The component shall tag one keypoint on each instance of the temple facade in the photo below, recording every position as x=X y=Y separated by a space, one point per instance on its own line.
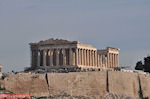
x=59 y=52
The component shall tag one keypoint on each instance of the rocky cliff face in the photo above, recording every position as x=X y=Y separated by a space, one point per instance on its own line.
x=86 y=85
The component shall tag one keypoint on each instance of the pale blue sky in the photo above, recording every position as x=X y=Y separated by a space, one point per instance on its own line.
x=123 y=24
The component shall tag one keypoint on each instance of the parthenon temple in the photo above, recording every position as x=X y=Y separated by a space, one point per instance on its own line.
x=59 y=52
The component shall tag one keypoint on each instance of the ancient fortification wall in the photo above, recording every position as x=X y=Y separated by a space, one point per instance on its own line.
x=91 y=84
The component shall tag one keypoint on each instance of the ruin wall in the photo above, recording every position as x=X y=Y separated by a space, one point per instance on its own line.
x=91 y=84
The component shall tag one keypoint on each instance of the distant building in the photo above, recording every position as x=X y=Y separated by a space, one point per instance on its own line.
x=59 y=52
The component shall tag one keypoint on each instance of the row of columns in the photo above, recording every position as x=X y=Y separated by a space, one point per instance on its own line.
x=73 y=57
x=86 y=57
x=109 y=60
x=55 y=57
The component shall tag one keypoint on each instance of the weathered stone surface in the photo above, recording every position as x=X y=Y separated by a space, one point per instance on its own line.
x=85 y=84
x=81 y=84
x=145 y=85
x=26 y=83
x=123 y=83
x=91 y=84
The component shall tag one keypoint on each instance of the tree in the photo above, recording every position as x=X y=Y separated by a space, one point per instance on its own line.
x=139 y=65
x=147 y=64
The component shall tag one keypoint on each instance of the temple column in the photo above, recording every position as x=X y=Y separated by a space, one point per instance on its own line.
x=34 y=57
x=113 y=59
x=70 y=56
x=64 y=57
x=57 y=57
x=98 y=65
x=49 y=54
x=100 y=60
x=110 y=60
x=85 y=56
x=38 y=59
x=107 y=60
x=44 y=57
x=90 y=58
x=82 y=56
x=117 y=60
x=76 y=56
x=51 y=57
x=95 y=58
x=79 y=57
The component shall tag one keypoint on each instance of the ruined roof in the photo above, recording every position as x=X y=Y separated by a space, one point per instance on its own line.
x=54 y=41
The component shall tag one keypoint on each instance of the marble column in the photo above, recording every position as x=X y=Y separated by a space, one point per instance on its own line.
x=76 y=57
x=64 y=57
x=51 y=57
x=95 y=58
x=49 y=54
x=70 y=56
x=114 y=60
x=108 y=60
x=79 y=57
x=57 y=57
x=98 y=65
x=32 y=58
x=38 y=59
x=90 y=58
x=117 y=60
x=44 y=57
x=105 y=61
x=85 y=56
x=82 y=56
x=100 y=60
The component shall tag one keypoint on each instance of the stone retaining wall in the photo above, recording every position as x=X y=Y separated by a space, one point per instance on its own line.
x=88 y=84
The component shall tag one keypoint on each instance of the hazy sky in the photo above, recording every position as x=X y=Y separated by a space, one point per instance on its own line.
x=123 y=24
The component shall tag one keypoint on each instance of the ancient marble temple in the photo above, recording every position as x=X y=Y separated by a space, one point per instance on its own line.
x=59 y=52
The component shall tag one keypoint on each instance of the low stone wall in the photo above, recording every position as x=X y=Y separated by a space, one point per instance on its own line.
x=89 y=84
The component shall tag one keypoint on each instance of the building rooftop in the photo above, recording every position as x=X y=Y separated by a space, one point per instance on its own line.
x=53 y=41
